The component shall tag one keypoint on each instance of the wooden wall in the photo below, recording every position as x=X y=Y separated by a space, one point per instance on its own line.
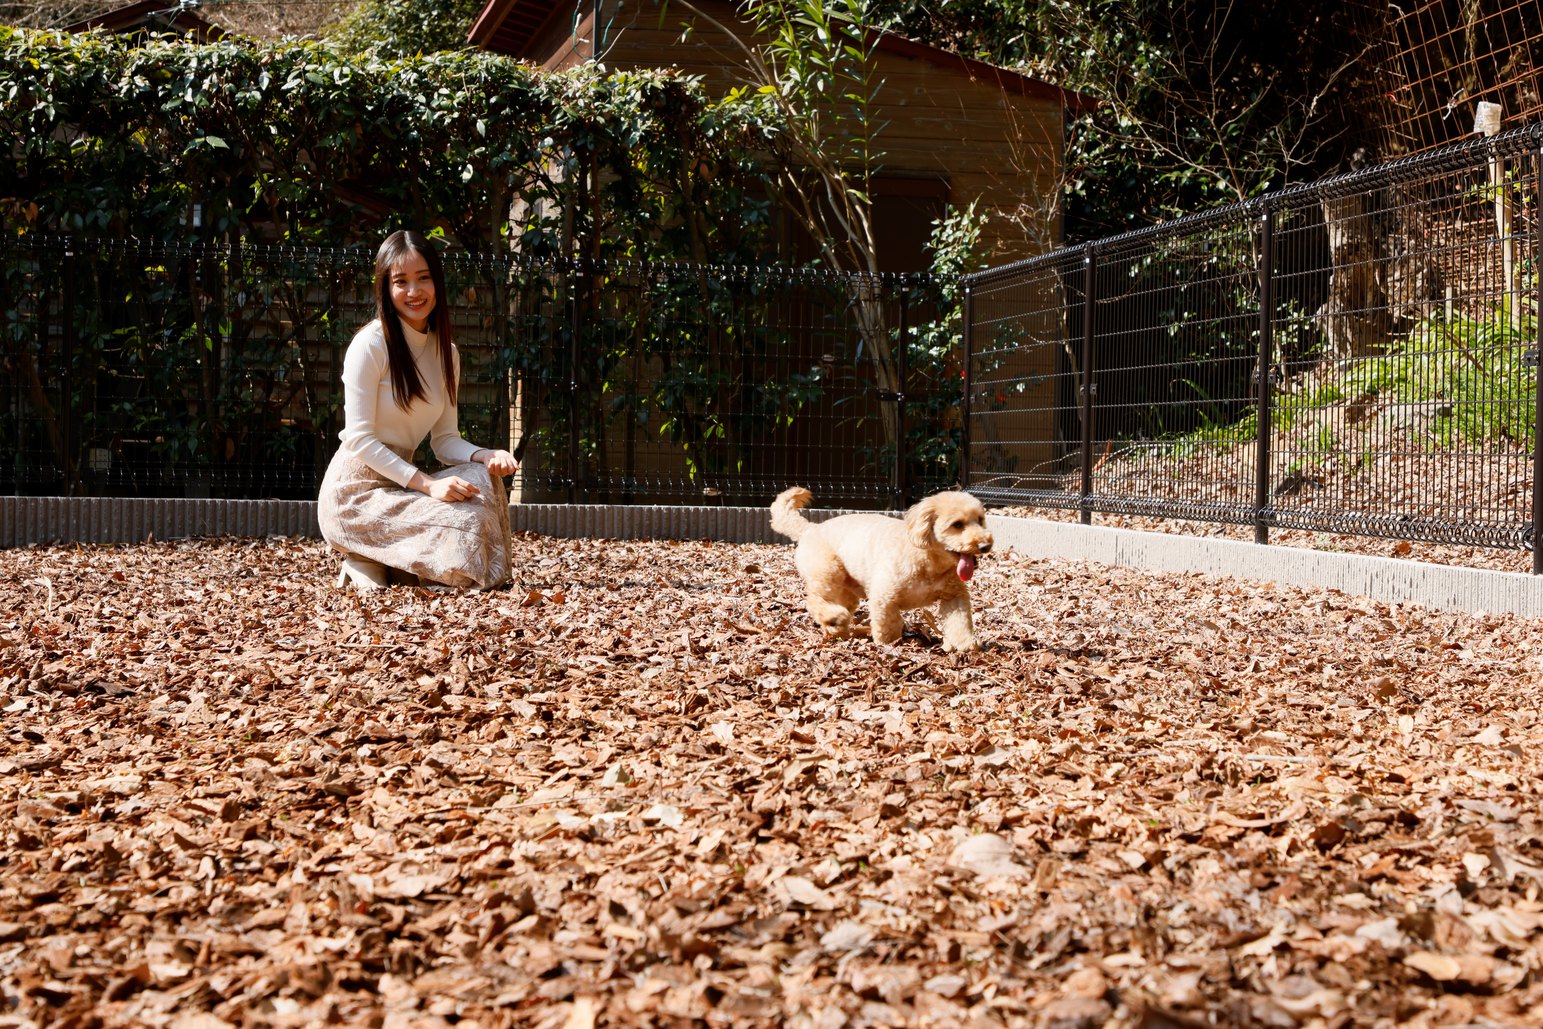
x=986 y=139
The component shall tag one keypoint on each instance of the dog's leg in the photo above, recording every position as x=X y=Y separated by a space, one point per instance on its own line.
x=884 y=613
x=834 y=617
x=831 y=594
x=958 y=625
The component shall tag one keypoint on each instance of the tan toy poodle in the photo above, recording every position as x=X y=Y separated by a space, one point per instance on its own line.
x=898 y=565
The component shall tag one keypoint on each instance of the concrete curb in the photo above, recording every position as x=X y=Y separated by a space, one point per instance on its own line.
x=26 y=521
x=601 y=521
x=1392 y=581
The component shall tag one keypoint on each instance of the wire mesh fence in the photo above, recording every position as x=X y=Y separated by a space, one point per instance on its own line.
x=1357 y=356
x=136 y=368
x=1442 y=58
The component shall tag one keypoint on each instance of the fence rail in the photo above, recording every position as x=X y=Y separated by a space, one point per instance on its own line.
x=1358 y=355
x=141 y=368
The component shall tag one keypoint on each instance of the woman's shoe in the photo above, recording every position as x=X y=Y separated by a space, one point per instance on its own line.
x=365 y=575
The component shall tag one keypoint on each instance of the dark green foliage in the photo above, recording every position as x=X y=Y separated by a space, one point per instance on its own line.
x=1200 y=102
x=304 y=142
x=401 y=28
x=307 y=143
x=301 y=143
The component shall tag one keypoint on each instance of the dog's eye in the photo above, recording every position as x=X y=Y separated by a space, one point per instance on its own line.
x=959 y=524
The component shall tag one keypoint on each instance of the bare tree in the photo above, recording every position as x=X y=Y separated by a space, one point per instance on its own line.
x=271 y=19
x=258 y=18
x=53 y=14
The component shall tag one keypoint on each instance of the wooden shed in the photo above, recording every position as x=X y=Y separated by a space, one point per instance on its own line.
x=152 y=17
x=955 y=130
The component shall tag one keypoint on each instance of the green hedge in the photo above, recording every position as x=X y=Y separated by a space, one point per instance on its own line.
x=298 y=142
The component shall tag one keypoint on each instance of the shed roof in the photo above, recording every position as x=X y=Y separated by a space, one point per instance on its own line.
x=509 y=26
x=154 y=15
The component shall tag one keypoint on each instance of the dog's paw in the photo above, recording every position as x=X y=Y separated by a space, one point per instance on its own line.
x=969 y=643
x=840 y=628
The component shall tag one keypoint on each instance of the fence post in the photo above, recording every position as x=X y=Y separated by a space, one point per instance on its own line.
x=898 y=488
x=577 y=286
x=1087 y=388
x=67 y=397
x=964 y=373
x=1537 y=353
x=1266 y=354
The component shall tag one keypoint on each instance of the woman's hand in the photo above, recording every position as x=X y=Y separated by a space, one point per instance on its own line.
x=451 y=489
x=499 y=462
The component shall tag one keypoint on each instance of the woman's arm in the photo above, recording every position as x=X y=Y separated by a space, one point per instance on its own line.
x=364 y=369
x=445 y=438
x=451 y=448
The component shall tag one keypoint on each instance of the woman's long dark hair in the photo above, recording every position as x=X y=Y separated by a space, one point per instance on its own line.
x=406 y=383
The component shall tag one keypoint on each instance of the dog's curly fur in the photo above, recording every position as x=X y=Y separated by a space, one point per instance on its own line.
x=896 y=564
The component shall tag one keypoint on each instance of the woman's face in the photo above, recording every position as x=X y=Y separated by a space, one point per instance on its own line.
x=412 y=291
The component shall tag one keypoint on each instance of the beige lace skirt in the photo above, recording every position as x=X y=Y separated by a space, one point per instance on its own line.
x=364 y=514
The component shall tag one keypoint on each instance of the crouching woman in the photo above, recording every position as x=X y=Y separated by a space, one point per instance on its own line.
x=399 y=384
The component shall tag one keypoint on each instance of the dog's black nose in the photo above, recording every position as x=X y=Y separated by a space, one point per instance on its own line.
x=985 y=548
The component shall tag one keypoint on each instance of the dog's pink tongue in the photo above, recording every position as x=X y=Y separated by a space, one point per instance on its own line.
x=966 y=567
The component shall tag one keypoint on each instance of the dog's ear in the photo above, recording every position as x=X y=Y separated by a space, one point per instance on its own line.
x=918 y=523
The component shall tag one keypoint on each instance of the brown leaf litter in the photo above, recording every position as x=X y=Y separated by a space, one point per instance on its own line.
x=638 y=788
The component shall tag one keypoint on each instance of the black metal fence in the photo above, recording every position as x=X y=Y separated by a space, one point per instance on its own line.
x=192 y=369
x=1357 y=356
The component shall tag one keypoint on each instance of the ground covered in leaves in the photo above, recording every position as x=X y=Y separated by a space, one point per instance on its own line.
x=639 y=789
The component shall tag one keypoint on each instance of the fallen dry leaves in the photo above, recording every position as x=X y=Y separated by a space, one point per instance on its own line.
x=639 y=789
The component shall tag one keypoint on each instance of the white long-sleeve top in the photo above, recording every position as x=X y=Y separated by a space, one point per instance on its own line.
x=372 y=421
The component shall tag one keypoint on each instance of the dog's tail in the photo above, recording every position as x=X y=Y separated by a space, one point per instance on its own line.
x=785 y=517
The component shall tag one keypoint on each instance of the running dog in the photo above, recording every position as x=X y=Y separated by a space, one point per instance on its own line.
x=896 y=564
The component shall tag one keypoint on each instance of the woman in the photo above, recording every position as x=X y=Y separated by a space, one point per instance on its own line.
x=399 y=384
